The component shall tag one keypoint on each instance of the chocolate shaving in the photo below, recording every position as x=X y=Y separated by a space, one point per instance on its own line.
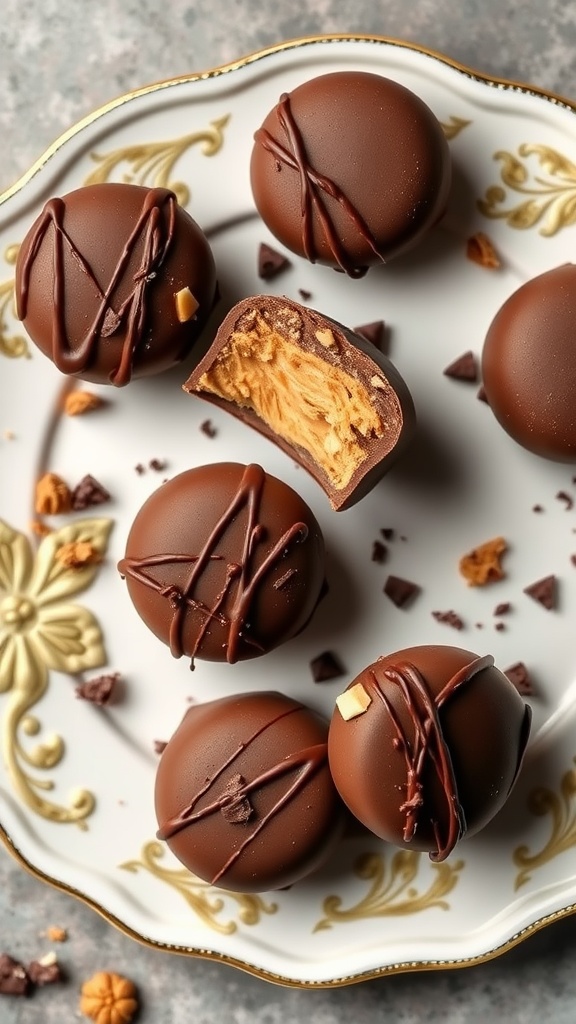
x=99 y=690
x=304 y=295
x=374 y=333
x=401 y=592
x=566 y=498
x=520 y=678
x=543 y=591
x=208 y=428
x=14 y=980
x=449 y=618
x=238 y=809
x=48 y=973
x=463 y=368
x=503 y=608
x=87 y=493
x=326 y=666
x=379 y=552
x=270 y=262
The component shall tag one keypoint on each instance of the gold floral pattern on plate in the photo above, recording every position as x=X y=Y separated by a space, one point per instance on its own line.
x=152 y=163
x=562 y=810
x=12 y=345
x=40 y=631
x=545 y=178
x=453 y=126
x=204 y=899
x=394 y=888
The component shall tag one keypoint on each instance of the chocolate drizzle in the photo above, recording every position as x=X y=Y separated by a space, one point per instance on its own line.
x=235 y=793
x=156 y=231
x=313 y=185
x=239 y=574
x=427 y=745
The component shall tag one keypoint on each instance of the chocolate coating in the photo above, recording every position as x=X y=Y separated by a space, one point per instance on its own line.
x=326 y=396
x=96 y=280
x=436 y=752
x=529 y=364
x=350 y=169
x=244 y=796
x=224 y=563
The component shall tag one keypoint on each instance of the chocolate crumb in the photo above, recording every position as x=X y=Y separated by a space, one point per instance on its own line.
x=326 y=666
x=566 y=498
x=140 y=468
x=481 y=394
x=519 y=676
x=500 y=626
x=87 y=493
x=14 y=980
x=374 y=333
x=503 y=608
x=159 y=465
x=573 y=559
x=537 y=508
x=388 y=533
x=463 y=368
x=401 y=592
x=449 y=618
x=99 y=690
x=270 y=262
x=543 y=591
x=45 y=971
x=304 y=295
x=208 y=428
x=479 y=625
x=160 y=746
x=379 y=552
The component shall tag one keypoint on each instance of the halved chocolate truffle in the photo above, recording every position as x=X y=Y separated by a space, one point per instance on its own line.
x=425 y=746
x=244 y=795
x=350 y=169
x=115 y=281
x=529 y=364
x=224 y=562
x=323 y=394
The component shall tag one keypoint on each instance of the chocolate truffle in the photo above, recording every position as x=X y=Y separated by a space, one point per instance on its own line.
x=115 y=281
x=224 y=562
x=330 y=399
x=425 y=746
x=350 y=169
x=529 y=364
x=244 y=795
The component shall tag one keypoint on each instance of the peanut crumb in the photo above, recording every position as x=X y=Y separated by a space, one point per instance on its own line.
x=377 y=382
x=186 y=305
x=77 y=554
x=9 y=435
x=53 y=496
x=79 y=402
x=39 y=528
x=56 y=934
x=326 y=338
x=483 y=564
x=480 y=250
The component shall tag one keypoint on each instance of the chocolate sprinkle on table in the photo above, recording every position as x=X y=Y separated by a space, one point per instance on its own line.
x=270 y=262
x=99 y=690
x=87 y=493
x=463 y=368
x=566 y=498
x=304 y=295
x=543 y=591
x=208 y=428
x=518 y=675
x=449 y=618
x=379 y=551
x=503 y=608
x=326 y=666
x=374 y=333
x=400 y=591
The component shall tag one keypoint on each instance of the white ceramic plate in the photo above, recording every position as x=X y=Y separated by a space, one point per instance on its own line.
x=76 y=781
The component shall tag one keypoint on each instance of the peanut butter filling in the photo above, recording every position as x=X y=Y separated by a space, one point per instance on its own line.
x=304 y=399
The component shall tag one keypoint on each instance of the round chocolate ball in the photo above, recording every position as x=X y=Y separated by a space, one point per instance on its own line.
x=244 y=795
x=224 y=562
x=425 y=746
x=350 y=169
x=115 y=281
x=529 y=364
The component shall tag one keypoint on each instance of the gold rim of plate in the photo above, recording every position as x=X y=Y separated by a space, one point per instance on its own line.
x=207 y=954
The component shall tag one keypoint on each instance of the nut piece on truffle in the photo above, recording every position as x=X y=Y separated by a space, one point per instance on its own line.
x=244 y=796
x=327 y=397
x=436 y=749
